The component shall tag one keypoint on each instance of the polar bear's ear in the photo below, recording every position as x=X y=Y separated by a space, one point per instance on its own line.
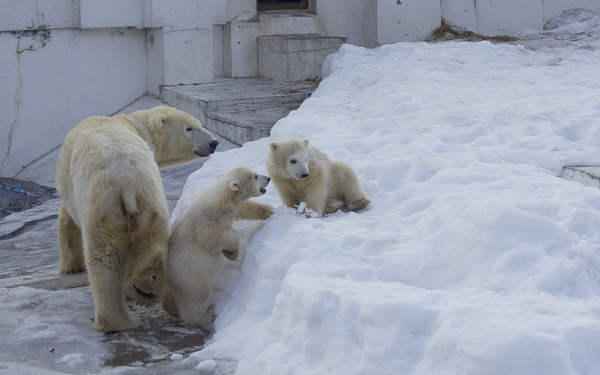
x=235 y=185
x=159 y=123
x=305 y=142
x=273 y=146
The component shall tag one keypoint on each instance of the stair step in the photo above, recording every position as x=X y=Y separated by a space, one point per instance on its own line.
x=289 y=23
x=288 y=58
x=240 y=110
x=248 y=124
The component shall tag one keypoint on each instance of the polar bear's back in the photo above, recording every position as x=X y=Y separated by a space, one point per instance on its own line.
x=105 y=158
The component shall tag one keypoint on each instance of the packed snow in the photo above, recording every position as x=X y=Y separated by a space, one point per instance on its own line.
x=475 y=256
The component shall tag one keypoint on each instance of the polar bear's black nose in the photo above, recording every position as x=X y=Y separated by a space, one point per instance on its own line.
x=213 y=144
x=304 y=175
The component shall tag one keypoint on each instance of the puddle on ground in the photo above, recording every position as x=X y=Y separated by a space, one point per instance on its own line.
x=161 y=336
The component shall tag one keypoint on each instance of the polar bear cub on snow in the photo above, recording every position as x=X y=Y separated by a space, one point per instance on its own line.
x=303 y=173
x=113 y=218
x=203 y=235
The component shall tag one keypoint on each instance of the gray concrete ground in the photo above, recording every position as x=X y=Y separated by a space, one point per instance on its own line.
x=29 y=253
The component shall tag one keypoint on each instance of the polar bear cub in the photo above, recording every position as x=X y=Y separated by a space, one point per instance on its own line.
x=113 y=218
x=203 y=235
x=303 y=173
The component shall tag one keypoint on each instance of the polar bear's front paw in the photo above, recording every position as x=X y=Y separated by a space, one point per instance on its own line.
x=333 y=205
x=207 y=317
x=357 y=204
x=69 y=270
x=103 y=324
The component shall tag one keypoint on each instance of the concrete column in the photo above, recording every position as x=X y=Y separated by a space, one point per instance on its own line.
x=240 y=55
x=460 y=13
x=407 y=20
x=498 y=17
x=188 y=56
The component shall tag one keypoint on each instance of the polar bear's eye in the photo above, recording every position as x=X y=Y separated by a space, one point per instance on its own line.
x=256 y=177
x=188 y=129
x=293 y=161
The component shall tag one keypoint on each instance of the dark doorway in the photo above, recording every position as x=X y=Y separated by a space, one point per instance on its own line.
x=282 y=4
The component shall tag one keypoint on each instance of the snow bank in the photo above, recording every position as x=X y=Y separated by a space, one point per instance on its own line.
x=475 y=257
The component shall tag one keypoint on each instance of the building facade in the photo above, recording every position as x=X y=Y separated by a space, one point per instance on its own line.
x=64 y=60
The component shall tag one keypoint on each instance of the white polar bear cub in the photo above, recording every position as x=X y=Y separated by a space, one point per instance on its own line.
x=303 y=173
x=113 y=218
x=203 y=235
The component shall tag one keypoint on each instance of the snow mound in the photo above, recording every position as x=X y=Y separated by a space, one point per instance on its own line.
x=474 y=257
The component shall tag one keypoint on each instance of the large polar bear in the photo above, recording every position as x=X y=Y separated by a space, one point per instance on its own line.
x=203 y=236
x=303 y=173
x=113 y=218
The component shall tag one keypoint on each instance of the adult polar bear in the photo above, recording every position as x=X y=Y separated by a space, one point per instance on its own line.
x=113 y=218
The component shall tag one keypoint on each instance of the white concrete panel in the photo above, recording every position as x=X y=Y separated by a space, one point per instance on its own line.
x=460 y=13
x=369 y=23
x=186 y=14
x=218 y=35
x=355 y=20
x=111 y=13
x=64 y=78
x=37 y=14
x=407 y=20
x=9 y=95
x=290 y=23
x=294 y=57
x=188 y=56
x=240 y=10
x=155 y=61
x=242 y=56
x=554 y=8
x=498 y=17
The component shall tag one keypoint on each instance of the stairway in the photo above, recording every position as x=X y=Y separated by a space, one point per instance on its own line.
x=289 y=58
x=285 y=51
x=239 y=110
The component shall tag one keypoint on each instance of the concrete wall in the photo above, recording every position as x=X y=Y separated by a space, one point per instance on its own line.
x=406 y=20
x=53 y=79
x=64 y=60
x=34 y=14
x=353 y=19
x=498 y=17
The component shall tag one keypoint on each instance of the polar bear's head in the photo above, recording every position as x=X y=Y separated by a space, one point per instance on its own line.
x=289 y=156
x=179 y=137
x=245 y=183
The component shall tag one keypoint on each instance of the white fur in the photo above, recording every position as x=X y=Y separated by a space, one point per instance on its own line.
x=303 y=173
x=113 y=218
x=202 y=238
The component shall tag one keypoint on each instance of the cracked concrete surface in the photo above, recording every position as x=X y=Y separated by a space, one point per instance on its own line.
x=35 y=39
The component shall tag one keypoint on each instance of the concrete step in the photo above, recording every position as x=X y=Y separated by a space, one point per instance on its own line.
x=289 y=58
x=289 y=23
x=239 y=110
x=247 y=124
x=588 y=176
